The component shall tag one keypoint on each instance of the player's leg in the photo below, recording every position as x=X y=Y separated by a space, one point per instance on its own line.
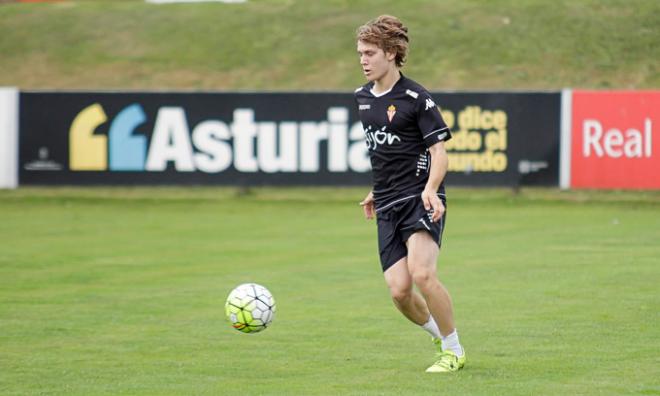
x=422 y=255
x=392 y=250
x=411 y=304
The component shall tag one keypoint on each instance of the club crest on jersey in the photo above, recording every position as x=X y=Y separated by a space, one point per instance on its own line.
x=390 y=112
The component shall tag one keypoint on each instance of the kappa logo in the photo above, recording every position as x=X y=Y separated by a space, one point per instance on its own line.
x=390 y=112
x=429 y=104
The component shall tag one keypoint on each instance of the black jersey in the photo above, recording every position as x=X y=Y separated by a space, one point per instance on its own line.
x=400 y=125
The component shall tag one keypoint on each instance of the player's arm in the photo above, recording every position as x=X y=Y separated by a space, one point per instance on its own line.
x=368 y=205
x=439 y=163
x=368 y=202
x=434 y=132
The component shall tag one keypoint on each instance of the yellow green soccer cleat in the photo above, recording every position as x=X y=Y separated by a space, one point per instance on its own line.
x=447 y=362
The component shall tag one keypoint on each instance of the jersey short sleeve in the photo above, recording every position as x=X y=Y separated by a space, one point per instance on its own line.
x=429 y=121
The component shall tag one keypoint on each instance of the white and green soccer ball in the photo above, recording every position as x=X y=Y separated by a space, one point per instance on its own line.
x=250 y=308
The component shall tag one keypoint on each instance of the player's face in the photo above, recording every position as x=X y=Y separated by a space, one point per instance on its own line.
x=374 y=61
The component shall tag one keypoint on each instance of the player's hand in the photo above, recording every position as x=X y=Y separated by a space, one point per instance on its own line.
x=368 y=206
x=432 y=202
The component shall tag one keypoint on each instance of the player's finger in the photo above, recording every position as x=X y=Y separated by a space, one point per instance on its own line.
x=436 y=216
x=438 y=211
x=368 y=211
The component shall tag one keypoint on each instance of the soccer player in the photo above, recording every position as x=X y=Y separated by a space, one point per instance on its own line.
x=405 y=136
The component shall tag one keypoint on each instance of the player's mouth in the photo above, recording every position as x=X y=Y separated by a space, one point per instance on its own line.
x=366 y=71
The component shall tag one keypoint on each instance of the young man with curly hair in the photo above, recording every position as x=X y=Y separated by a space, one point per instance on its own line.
x=405 y=135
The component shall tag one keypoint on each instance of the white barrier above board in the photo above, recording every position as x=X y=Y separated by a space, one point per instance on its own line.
x=8 y=137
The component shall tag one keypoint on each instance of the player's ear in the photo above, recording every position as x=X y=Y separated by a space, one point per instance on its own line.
x=390 y=55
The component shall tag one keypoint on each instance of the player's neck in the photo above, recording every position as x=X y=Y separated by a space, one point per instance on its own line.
x=386 y=82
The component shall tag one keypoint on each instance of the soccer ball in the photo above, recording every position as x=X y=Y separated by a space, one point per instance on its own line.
x=250 y=308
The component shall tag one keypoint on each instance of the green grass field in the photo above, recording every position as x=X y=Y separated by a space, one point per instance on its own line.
x=121 y=291
x=113 y=291
x=310 y=45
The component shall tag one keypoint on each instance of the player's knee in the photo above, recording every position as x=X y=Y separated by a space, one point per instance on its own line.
x=400 y=294
x=423 y=277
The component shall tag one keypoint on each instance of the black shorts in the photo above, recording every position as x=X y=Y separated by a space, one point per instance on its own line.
x=399 y=222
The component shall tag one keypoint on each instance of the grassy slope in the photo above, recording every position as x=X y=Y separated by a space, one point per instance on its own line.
x=120 y=291
x=288 y=44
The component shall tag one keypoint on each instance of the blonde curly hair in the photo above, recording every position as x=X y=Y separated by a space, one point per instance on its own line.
x=387 y=33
